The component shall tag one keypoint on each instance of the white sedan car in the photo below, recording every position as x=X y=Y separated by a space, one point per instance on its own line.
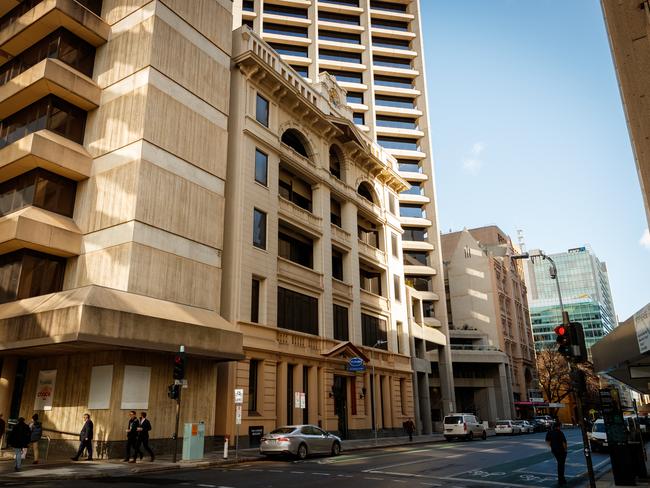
x=507 y=427
x=525 y=426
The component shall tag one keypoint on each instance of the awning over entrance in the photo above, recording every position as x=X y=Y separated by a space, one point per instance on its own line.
x=618 y=355
x=96 y=318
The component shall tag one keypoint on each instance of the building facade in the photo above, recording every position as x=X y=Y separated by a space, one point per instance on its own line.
x=488 y=311
x=586 y=294
x=374 y=51
x=113 y=188
x=628 y=26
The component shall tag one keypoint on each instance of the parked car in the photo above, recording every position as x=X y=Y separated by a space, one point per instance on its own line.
x=545 y=419
x=300 y=441
x=506 y=427
x=538 y=425
x=463 y=426
x=598 y=436
x=526 y=427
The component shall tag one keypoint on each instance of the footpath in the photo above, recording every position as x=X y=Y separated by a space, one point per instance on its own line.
x=65 y=469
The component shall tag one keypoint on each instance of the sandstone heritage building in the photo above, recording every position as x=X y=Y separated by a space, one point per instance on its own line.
x=168 y=180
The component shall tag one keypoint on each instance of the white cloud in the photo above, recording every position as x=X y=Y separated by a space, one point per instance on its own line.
x=472 y=163
x=645 y=239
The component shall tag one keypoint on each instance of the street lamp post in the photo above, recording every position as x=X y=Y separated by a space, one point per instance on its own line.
x=576 y=398
x=374 y=394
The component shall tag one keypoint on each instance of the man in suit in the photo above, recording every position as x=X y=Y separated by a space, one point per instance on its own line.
x=132 y=438
x=85 y=439
x=143 y=436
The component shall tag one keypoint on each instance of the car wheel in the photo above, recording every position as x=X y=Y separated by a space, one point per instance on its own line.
x=484 y=435
x=336 y=449
x=470 y=436
x=301 y=453
x=448 y=438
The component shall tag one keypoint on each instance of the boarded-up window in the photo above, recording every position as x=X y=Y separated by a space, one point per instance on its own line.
x=101 y=387
x=135 y=389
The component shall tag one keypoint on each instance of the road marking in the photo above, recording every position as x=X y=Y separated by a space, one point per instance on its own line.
x=322 y=474
x=398 y=481
x=495 y=483
x=376 y=479
x=425 y=460
x=275 y=471
x=297 y=472
x=207 y=486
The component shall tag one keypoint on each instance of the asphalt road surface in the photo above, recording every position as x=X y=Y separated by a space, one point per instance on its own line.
x=517 y=461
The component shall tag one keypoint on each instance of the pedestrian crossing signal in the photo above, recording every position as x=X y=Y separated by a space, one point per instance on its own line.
x=179 y=366
x=173 y=391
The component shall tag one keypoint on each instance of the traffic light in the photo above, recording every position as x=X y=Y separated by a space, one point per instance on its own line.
x=179 y=366
x=578 y=346
x=173 y=391
x=563 y=339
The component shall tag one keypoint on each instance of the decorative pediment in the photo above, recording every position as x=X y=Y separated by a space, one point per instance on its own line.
x=346 y=351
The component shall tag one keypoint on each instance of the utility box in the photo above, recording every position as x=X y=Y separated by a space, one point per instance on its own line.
x=193 y=441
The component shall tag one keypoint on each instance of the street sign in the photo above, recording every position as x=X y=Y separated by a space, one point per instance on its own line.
x=356 y=364
x=238 y=415
x=239 y=396
x=303 y=400
x=296 y=399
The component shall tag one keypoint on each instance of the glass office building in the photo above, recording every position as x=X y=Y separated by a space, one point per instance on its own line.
x=585 y=291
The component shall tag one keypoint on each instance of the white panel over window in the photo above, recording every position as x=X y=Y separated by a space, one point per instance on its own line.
x=101 y=387
x=135 y=390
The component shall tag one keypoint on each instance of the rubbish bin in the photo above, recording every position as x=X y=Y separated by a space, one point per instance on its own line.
x=623 y=464
x=193 y=441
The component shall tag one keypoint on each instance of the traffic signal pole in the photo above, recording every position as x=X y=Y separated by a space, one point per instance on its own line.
x=577 y=398
x=178 y=418
x=179 y=374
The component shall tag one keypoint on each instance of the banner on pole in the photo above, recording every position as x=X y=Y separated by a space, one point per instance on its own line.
x=45 y=389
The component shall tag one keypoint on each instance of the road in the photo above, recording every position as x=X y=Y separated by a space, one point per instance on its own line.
x=518 y=461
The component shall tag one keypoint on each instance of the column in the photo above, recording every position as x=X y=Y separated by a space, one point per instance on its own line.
x=281 y=393
x=322 y=194
x=7 y=380
x=349 y=221
x=387 y=403
x=315 y=395
x=446 y=378
x=297 y=387
x=504 y=388
x=424 y=403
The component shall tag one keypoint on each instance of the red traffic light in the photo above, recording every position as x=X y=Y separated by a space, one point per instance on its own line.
x=561 y=330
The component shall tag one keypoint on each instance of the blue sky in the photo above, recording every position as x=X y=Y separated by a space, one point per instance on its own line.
x=528 y=131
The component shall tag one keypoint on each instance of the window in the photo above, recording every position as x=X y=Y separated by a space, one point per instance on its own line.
x=351 y=3
x=392 y=204
x=416 y=189
x=367 y=232
x=396 y=122
x=353 y=395
x=301 y=70
x=416 y=258
x=328 y=35
x=60 y=44
x=335 y=212
x=409 y=210
x=390 y=24
x=387 y=6
x=373 y=330
x=401 y=44
x=398 y=143
x=420 y=283
x=248 y=5
x=262 y=110
x=255 y=300
x=390 y=62
x=345 y=76
x=342 y=56
x=289 y=50
x=370 y=280
x=397 y=286
x=335 y=162
x=409 y=166
x=297 y=311
x=50 y=113
x=261 y=167
x=415 y=234
x=359 y=118
x=296 y=141
x=393 y=81
x=259 y=229
x=366 y=191
x=295 y=247
x=26 y=273
x=247 y=22
x=337 y=264
x=285 y=11
x=285 y=30
x=341 y=329
x=294 y=189
x=339 y=18
x=253 y=371
x=39 y=188
x=398 y=102
x=354 y=97
x=394 y=245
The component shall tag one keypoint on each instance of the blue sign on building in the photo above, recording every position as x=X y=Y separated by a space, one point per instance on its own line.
x=356 y=364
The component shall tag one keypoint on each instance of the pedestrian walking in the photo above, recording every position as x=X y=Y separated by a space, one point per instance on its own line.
x=556 y=440
x=409 y=427
x=3 y=427
x=85 y=439
x=143 y=435
x=36 y=428
x=132 y=438
x=19 y=438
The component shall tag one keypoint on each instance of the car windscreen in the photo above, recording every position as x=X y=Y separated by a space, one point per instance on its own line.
x=599 y=427
x=504 y=424
x=453 y=420
x=283 y=430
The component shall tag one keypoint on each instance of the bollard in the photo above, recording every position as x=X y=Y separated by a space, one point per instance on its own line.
x=225 y=446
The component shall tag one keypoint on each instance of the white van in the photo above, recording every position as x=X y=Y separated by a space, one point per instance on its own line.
x=598 y=436
x=464 y=426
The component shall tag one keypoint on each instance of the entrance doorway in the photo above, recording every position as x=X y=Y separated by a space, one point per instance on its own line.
x=340 y=392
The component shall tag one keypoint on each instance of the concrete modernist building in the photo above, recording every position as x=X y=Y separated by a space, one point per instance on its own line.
x=113 y=174
x=374 y=50
x=490 y=331
x=628 y=25
x=585 y=291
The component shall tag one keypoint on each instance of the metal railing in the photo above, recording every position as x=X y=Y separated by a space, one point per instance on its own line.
x=473 y=347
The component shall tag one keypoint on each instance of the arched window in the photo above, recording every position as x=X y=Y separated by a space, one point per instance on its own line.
x=366 y=191
x=296 y=141
x=335 y=162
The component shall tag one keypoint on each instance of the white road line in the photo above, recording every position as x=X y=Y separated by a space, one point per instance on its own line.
x=275 y=471
x=376 y=479
x=297 y=472
x=398 y=481
x=494 y=483
x=425 y=460
x=322 y=474
x=207 y=486
x=453 y=456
